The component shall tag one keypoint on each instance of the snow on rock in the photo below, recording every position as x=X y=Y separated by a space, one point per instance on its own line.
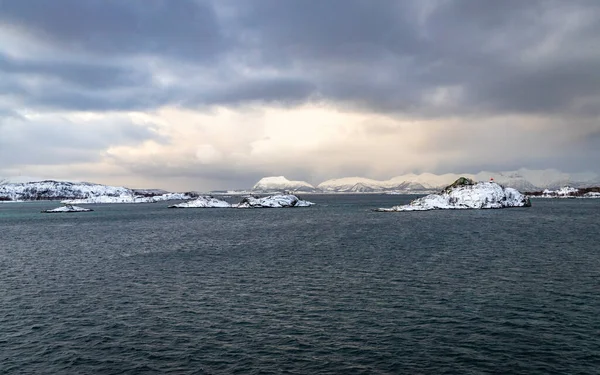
x=129 y=199
x=563 y=192
x=67 y=208
x=466 y=194
x=273 y=201
x=569 y=192
x=108 y=199
x=281 y=183
x=203 y=202
x=57 y=190
x=84 y=193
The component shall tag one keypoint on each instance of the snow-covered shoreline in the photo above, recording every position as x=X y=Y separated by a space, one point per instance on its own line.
x=130 y=199
x=567 y=192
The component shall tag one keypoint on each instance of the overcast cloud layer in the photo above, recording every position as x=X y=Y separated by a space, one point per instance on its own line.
x=216 y=94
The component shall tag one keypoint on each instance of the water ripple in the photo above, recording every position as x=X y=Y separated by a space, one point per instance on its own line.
x=331 y=289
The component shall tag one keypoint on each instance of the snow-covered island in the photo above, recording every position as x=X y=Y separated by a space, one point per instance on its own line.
x=273 y=201
x=66 y=209
x=465 y=193
x=568 y=192
x=203 y=202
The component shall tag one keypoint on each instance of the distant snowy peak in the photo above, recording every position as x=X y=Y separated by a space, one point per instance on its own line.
x=349 y=185
x=522 y=180
x=280 y=183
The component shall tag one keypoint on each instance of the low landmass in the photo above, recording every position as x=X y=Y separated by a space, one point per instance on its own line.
x=84 y=193
x=567 y=192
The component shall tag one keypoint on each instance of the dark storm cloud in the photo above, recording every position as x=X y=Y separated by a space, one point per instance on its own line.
x=462 y=59
x=381 y=55
x=83 y=75
x=184 y=28
x=272 y=90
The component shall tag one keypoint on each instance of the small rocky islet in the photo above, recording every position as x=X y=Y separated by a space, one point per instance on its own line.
x=68 y=208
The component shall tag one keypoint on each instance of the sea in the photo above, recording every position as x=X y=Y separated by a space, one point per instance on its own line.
x=331 y=289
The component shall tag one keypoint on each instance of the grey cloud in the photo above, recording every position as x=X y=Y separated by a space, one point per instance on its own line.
x=60 y=140
x=271 y=90
x=183 y=28
x=545 y=89
x=84 y=76
x=536 y=57
x=384 y=56
x=474 y=45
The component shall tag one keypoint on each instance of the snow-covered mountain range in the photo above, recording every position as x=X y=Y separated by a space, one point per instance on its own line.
x=523 y=180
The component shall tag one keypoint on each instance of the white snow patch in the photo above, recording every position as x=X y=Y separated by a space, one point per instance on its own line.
x=67 y=208
x=203 y=202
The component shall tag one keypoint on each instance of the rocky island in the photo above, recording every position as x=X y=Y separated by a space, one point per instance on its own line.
x=67 y=209
x=203 y=202
x=465 y=193
x=273 y=201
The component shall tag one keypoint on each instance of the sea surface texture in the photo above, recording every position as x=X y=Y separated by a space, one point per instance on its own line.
x=330 y=289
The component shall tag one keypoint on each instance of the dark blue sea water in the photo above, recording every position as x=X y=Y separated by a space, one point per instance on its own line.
x=331 y=289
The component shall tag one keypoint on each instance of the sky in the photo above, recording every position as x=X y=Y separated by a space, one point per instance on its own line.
x=202 y=95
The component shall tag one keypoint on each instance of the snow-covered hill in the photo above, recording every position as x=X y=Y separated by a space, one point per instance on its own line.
x=280 y=183
x=466 y=194
x=59 y=190
x=83 y=192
